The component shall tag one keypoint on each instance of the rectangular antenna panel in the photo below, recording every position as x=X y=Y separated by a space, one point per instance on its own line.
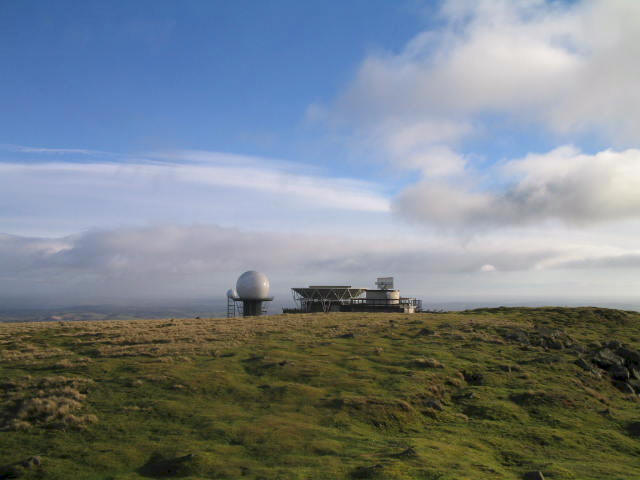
x=384 y=283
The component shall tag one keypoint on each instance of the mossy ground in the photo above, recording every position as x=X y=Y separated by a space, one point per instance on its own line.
x=293 y=397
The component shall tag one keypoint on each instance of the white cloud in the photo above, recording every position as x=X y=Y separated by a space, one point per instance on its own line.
x=565 y=68
x=568 y=66
x=563 y=185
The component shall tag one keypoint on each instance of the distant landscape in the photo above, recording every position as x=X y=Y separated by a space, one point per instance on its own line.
x=207 y=309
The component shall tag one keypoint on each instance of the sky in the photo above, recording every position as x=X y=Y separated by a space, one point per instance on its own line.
x=478 y=151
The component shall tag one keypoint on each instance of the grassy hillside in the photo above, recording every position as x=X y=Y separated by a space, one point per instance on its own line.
x=484 y=394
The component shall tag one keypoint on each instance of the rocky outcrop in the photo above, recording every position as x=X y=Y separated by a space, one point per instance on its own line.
x=618 y=361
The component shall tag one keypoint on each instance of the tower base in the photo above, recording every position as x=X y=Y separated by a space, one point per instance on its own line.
x=251 y=308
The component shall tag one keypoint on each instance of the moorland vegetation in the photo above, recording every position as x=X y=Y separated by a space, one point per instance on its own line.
x=506 y=393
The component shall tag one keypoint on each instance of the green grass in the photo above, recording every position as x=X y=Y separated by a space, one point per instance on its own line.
x=285 y=397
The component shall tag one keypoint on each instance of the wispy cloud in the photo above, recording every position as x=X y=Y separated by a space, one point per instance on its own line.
x=190 y=186
x=54 y=151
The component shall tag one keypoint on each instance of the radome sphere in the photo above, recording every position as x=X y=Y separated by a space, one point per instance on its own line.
x=231 y=293
x=252 y=285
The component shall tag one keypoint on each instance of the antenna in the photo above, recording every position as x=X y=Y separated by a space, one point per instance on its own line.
x=384 y=283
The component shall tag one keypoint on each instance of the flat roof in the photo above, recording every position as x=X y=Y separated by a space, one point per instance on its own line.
x=329 y=292
x=328 y=286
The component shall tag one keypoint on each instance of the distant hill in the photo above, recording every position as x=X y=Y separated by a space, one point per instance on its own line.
x=505 y=393
x=111 y=312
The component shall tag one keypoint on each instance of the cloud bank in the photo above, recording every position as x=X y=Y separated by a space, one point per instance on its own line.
x=171 y=262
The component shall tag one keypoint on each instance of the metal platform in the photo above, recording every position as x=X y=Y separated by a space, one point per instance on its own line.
x=324 y=298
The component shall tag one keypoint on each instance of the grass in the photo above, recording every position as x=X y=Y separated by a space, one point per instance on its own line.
x=424 y=396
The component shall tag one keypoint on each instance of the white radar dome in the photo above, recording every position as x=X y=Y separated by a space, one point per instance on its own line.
x=231 y=293
x=252 y=285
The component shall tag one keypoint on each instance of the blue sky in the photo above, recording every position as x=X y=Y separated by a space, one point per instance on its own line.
x=158 y=149
x=224 y=76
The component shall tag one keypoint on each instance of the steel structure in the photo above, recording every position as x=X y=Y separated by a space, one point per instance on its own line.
x=324 y=297
x=345 y=298
x=236 y=307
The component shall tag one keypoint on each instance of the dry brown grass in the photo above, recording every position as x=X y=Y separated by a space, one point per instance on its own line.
x=49 y=402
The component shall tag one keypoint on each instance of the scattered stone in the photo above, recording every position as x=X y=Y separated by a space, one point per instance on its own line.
x=535 y=475
x=408 y=453
x=372 y=471
x=606 y=359
x=474 y=378
x=347 y=335
x=519 y=336
x=425 y=332
x=583 y=364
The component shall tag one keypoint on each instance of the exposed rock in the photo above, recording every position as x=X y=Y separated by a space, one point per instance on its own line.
x=635 y=384
x=630 y=356
x=614 y=345
x=619 y=373
x=535 y=475
x=624 y=387
x=606 y=359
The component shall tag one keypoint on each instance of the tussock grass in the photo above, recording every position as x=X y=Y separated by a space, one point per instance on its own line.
x=489 y=393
